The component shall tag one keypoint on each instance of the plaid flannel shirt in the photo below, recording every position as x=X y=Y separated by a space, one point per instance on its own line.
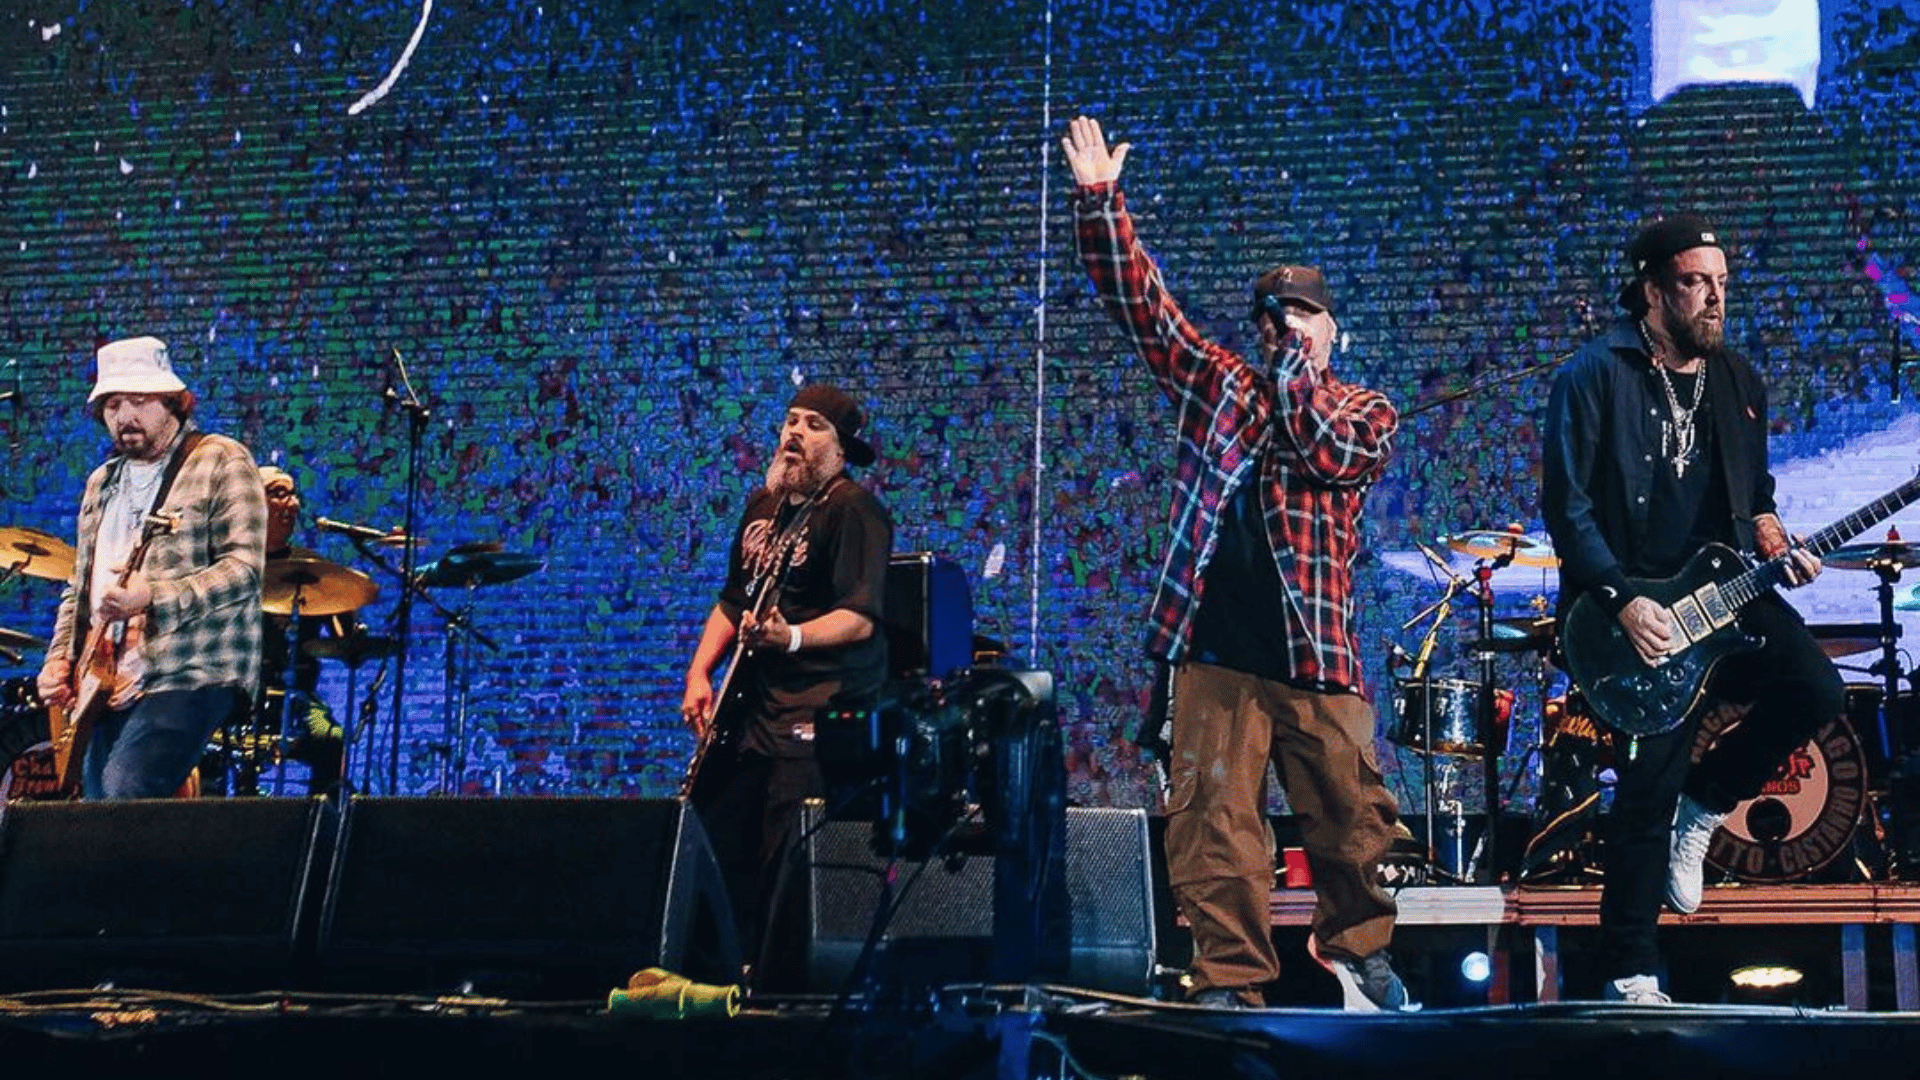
x=1313 y=443
x=203 y=627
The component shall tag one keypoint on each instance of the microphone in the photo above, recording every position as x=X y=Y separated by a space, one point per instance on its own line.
x=357 y=532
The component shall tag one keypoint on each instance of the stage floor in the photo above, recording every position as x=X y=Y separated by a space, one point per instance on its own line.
x=959 y=1032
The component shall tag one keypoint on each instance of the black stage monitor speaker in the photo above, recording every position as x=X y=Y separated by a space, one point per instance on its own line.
x=943 y=928
x=929 y=615
x=547 y=898
x=164 y=894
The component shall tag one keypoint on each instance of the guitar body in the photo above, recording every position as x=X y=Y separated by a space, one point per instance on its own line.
x=726 y=728
x=1622 y=690
x=69 y=728
x=96 y=671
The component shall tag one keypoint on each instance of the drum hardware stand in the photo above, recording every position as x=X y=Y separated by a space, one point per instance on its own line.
x=417 y=415
x=289 y=689
x=1483 y=570
x=461 y=634
x=1440 y=609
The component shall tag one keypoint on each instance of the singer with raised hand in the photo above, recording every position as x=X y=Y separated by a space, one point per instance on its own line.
x=157 y=640
x=800 y=613
x=1255 y=609
x=1656 y=446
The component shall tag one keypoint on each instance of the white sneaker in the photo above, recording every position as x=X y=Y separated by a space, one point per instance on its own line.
x=1636 y=990
x=1693 y=829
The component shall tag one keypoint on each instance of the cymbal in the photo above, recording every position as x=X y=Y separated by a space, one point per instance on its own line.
x=351 y=649
x=1846 y=639
x=1909 y=602
x=1494 y=543
x=458 y=568
x=36 y=554
x=1896 y=553
x=324 y=588
x=17 y=641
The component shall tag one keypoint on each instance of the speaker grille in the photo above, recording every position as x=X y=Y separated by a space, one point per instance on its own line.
x=945 y=920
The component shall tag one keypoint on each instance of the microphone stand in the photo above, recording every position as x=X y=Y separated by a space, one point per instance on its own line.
x=459 y=626
x=1475 y=388
x=417 y=415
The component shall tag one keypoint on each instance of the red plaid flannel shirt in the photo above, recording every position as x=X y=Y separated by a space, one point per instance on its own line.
x=1315 y=444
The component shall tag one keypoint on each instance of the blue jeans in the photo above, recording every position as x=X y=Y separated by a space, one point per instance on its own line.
x=146 y=751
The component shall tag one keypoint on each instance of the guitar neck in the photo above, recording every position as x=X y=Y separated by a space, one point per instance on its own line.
x=1743 y=588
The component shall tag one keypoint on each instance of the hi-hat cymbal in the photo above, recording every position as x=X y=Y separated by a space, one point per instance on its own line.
x=17 y=641
x=36 y=554
x=478 y=567
x=323 y=588
x=351 y=649
x=1495 y=543
x=1898 y=554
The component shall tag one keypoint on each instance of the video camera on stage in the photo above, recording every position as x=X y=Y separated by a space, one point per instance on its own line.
x=967 y=764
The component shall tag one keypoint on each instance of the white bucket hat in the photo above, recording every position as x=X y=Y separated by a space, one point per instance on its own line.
x=134 y=366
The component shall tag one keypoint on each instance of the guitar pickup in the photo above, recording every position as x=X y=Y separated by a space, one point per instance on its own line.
x=1693 y=621
x=1716 y=609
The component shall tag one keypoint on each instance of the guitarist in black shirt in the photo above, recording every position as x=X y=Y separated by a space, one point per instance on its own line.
x=1656 y=446
x=800 y=615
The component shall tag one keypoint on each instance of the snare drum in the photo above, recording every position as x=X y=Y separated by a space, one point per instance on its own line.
x=1454 y=705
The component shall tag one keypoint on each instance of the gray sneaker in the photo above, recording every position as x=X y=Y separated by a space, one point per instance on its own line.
x=1693 y=829
x=1369 y=984
x=1636 y=990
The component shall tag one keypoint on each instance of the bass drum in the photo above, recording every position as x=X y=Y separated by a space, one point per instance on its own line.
x=1804 y=818
x=26 y=757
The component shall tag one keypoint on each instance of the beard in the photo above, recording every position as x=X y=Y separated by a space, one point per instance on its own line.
x=803 y=477
x=1698 y=336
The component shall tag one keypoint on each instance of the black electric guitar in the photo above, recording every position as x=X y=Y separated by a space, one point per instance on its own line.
x=1702 y=600
x=724 y=726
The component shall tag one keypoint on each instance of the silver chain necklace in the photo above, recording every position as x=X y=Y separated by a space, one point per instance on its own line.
x=1677 y=439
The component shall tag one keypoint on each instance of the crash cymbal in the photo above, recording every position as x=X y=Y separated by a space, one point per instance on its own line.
x=18 y=642
x=1895 y=553
x=36 y=554
x=1494 y=543
x=458 y=568
x=324 y=588
x=351 y=649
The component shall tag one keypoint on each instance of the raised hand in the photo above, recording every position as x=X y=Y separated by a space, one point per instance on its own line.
x=1087 y=152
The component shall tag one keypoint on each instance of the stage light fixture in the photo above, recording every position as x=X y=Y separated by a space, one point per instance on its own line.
x=1765 y=978
x=1476 y=968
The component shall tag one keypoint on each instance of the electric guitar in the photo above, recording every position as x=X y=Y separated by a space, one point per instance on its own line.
x=724 y=726
x=96 y=674
x=1702 y=600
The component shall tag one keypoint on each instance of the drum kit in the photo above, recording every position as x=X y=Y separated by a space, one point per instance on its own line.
x=1804 y=819
x=1453 y=719
x=300 y=587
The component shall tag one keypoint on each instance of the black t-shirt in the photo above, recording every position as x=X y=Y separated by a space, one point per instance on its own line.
x=840 y=551
x=1688 y=511
x=1239 y=624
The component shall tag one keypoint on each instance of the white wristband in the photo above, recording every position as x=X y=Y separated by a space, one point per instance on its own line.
x=793 y=638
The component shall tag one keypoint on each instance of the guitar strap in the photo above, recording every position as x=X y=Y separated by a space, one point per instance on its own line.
x=83 y=608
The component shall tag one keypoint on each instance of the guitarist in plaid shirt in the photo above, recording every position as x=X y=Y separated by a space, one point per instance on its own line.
x=191 y=650
x=1254 y=610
